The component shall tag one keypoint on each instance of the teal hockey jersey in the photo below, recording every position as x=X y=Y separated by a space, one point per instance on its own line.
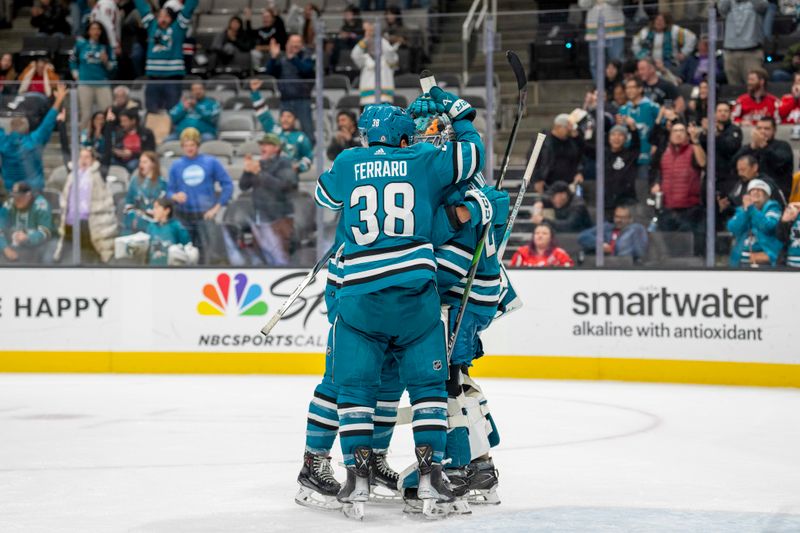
x=388 y=197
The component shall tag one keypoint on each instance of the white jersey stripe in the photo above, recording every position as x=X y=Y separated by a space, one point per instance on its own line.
x=452 y=266
x=456 y=250
x=389 y=268
x=387 y=255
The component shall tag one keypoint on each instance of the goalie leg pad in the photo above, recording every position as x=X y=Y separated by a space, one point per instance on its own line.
x=473 y=390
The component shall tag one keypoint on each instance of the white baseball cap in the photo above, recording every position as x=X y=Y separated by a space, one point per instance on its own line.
x=759 y=184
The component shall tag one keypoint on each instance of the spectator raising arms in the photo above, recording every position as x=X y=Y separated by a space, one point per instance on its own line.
x=294 y=70
x=570 y=213
x=195 y=111
x=790 y=230
x=561 y=155
x=754 y=228
x=165 y=35
x=272 y=179
x=363 y=55
x=664 y=41
x=92 y=63
x=775 y=157
x=743 y=37
x=95 y=213
x=38 y=77
x=296 y=145
x=125 y=143
x=49 y=17
x=192 y=181
x=146 y=186
x=346 y=135
x=272 y=27
x=26 y=225
x=620 y=163
x=756 y=103
x=623 y=238
x=21 y=150
x=164 y=231
x=542 y=251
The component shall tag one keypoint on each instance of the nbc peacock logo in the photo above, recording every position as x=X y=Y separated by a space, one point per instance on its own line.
x=241 y=299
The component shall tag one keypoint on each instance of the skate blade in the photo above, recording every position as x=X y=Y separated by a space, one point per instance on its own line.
x=460 y=507
x=433 y=510
x=383 y=494
x=310 y=498
x=354 y=510
x=484 y=497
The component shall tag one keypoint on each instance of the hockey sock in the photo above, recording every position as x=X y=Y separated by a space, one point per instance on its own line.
x=356 y=412
x=323 y=419
x=429 y=418
x=385 y=419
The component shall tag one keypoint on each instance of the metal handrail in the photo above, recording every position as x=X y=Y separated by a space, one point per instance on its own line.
x=466 y=33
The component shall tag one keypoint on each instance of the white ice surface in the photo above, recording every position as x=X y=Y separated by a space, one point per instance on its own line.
x=174 y=454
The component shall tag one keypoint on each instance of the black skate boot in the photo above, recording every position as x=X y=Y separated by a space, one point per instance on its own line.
x=459 y=480
x=436 y=496
x=355 y=491
x=318 y=487
x=483 y=485
x=383 y=479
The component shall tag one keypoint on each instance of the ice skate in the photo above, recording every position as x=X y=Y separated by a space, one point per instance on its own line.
x=318 y=487
x=383 y=480
x=355 y=492
x=436 y=496
x=484 y=481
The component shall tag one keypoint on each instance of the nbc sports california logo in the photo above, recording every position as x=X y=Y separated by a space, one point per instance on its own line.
x=239 y=298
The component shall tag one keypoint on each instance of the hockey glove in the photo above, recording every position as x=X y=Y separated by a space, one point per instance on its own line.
x=479 y=205
x=454 y=106
x=424 y=106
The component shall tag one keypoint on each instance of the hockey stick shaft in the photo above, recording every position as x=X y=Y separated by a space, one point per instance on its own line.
x=308 y=280
x=526 y=179
x=522 y=85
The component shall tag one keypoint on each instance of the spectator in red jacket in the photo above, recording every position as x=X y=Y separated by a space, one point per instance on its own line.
x=789 y=109
x=756 y=103
x=542 y=251
x=678 y=173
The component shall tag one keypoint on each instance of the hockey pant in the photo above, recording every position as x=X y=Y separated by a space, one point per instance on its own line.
x=471 y=429
x=407 y=323
x=323 y=419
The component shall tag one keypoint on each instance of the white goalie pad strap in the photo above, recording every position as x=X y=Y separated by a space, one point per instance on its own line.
x=479 y=428
x=476 y=393
x=455 y=415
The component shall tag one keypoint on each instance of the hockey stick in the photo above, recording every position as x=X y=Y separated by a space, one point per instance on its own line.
x=522 y=85
x=308 y=280
x=526 y=179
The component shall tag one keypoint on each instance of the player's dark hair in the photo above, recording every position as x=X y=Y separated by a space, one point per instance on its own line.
x=167 y=204
x=749 y=158
x=771 y=120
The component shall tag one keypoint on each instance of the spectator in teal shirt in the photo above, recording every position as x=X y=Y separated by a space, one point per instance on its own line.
x=146 y=186
x=195 y=111
x=92 y=63
x=644 y=113
x=164 y=231
x=26 y=225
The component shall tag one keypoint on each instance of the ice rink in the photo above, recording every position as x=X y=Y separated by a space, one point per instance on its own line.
x=172 y=454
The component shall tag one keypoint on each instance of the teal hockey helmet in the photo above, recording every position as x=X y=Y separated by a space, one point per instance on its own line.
x=386 y=124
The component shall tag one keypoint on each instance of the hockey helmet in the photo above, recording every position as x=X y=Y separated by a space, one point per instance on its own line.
x=386 y=124
x=433 y=129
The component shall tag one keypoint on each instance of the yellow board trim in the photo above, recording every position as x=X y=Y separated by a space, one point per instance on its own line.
x=501 y=366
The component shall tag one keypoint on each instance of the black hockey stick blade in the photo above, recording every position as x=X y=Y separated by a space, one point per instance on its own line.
x=519 y=70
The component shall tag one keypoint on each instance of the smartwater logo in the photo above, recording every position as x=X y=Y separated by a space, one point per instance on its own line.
x=241 y=299
x=660 y=302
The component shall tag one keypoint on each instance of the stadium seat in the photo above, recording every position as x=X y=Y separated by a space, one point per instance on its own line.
x=53 y=197
x=248 y=147
x=211 y=23
x=235 y=172
x=57 y=178
x=218 y=149
x=117 y=178
x=203 y=7
x=614 y=261
x=169 y=147
x=230 y=7
x=351 y=102
x=449 y=81
x=236 y=103
x=665 y=244
x=236 y=126
x=304 y=217
x=731 y=92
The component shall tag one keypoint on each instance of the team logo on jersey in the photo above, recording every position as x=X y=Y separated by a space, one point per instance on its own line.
x=437 y=365
x=242 y=299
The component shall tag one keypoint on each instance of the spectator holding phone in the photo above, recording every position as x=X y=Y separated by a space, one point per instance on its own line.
x=195 y=111
x=542 y=251
x=754 y=228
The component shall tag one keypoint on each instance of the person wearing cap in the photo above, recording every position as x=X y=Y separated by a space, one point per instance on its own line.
x=748 y=169
x=754 y=228
x=570 y=212
x=21 y=149
x=561 y=156
x=26 y=225
x=621 y=164
x=191 y=184
x=272 y=180
x=295 y=143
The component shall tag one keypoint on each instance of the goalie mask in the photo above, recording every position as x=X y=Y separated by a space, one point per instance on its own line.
x=433 y=129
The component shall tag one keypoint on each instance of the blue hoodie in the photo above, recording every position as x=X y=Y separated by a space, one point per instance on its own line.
x=22 y=154
x=196 y=177
x=755 y=230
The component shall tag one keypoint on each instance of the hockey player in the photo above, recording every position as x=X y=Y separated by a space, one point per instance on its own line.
x=388 y=194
